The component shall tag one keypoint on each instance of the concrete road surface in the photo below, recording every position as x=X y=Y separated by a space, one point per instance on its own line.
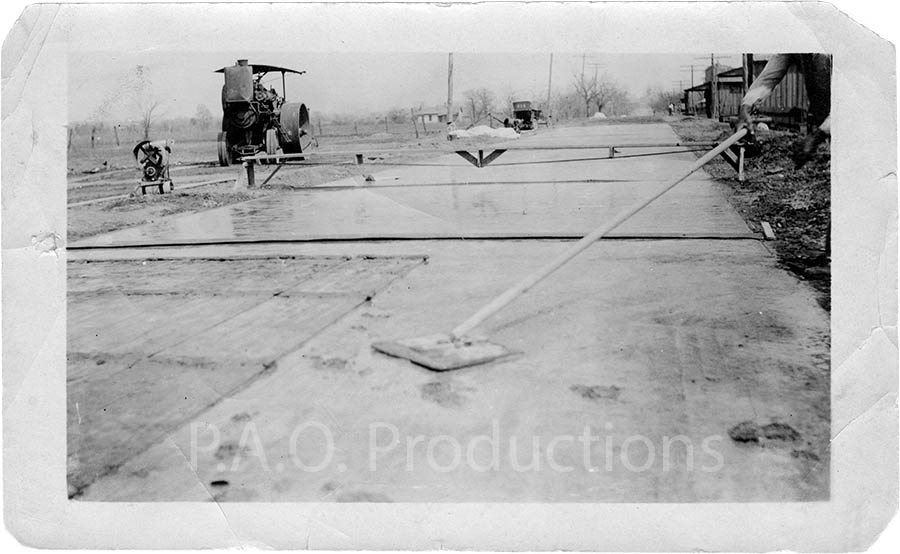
x=523 y=193
x=648 y=370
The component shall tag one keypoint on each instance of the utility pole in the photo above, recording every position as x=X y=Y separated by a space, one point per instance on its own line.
x=748 y=71
x=690 y=95
x=715 y=87
x=450 y=88
x=549 y=83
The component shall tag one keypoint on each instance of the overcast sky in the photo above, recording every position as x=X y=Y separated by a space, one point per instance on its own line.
x=374 y=57
x=100 y=83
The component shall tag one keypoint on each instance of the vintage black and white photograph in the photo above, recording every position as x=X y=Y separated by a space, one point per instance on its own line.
x=401 y=277
x=554 y=273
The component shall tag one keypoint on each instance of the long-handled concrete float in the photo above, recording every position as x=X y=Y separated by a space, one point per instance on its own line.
x=455 y=350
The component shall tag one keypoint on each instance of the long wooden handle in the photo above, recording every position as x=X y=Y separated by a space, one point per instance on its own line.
x=498 y=303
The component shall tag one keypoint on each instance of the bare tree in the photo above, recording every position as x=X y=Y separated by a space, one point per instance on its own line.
x=398 y=115
x=147 y=109
x=203 y=118
x=600 y=92
x=480 y=102
x=510 y=97
x=586 y=89
x=567 y=106
x=660 y=99
x=147 y=104
x=610 y=98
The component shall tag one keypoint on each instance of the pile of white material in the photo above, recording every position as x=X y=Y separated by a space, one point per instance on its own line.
x=598 y=115
x=485 y=131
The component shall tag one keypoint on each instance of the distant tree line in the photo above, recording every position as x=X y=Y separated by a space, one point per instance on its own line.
x=660 y=99
x=584 y=96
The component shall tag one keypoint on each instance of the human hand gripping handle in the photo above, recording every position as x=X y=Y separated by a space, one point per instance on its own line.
x=745 y=121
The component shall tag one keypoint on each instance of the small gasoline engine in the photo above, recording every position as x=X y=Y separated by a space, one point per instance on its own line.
x=153 y=159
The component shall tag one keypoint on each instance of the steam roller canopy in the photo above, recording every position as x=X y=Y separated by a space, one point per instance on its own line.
x=295 y=127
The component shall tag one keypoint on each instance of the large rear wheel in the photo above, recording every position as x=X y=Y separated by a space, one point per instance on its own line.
x=224 y=149
x=295 y=128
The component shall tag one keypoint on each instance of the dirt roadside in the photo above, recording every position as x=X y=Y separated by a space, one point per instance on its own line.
x=795 y=202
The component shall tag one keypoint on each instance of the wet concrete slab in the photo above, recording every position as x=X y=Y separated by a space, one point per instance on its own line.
x=652 y=350
x=656 y=348
x=524 y=193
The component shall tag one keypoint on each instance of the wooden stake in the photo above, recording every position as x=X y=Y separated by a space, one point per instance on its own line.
x=251 y=176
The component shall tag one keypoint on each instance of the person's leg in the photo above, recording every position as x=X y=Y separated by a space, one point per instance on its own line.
x=804 y=150
x=816 y=69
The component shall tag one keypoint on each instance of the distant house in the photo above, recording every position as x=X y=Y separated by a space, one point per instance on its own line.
x=787 y=104
x=431 y=115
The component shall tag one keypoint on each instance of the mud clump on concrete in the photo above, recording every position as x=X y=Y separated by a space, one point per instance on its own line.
x=227 y=451
x=443 y=394
x=222 y=491
x=596 y=392
x=749 y=431
x=805 y=455
x=746 y=431
x=780 y=432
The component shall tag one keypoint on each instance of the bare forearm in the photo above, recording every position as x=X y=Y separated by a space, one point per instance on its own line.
x=763 y=85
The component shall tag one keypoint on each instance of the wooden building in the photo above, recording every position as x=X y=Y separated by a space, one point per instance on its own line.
x=787 y=105
x=432 y=115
